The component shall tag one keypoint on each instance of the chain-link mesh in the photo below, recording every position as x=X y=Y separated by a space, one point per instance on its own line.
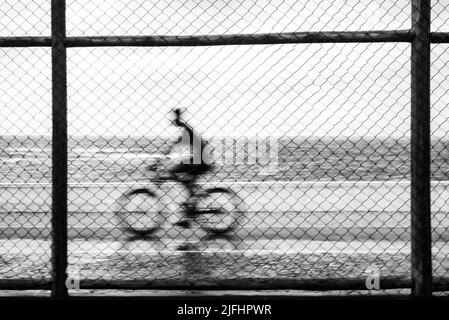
x=440 y=11
x=24 y=18
x=439 y=116
x=310 y=144
x=336 y=192
x=439 y=87
x=120 y=17
x=25 y=173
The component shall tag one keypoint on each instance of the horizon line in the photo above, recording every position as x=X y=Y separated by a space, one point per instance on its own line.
x=223 y=136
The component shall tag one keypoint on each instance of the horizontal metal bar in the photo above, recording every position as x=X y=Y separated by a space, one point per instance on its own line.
x=216 y=40
x=438 y=284
x=25 y=284
x=439 y=37
x=243 y=39
x=248 y=284
x=25 y=41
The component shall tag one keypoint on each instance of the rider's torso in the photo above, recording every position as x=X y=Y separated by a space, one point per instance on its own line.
x=191 y=149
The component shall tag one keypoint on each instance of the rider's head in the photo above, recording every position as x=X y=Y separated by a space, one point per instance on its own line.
x=177 y=120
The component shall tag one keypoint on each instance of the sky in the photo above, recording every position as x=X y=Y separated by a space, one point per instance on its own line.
x=278 y=90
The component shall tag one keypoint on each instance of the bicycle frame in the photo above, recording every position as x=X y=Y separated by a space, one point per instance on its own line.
x=229 y=217
x=193 y=189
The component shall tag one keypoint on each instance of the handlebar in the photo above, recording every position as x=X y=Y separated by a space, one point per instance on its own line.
x=153 y=167
x=157 y=163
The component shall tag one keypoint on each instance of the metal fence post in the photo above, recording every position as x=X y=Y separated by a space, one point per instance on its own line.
x=421 y=237
x=59 y=150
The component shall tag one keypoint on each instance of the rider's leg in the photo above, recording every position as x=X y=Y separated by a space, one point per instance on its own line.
x=191 y=188
x=192 y=174
x=189 y=204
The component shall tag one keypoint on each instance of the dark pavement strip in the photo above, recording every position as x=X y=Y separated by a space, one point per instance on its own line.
x=275 y=232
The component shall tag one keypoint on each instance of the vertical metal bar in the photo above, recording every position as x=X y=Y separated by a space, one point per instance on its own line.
x=59 y=150
x=420 y=151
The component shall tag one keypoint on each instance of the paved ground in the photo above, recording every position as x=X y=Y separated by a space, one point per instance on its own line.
x=333 y=231
x=324 y=226
x=218 y=259
x=321 y=210
x=258 y=196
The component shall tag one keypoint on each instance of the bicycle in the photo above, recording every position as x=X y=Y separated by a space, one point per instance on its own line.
x=140 y=212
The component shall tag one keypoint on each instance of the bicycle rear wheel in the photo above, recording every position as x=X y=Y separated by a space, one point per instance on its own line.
x=219 y=210
x=138 y=212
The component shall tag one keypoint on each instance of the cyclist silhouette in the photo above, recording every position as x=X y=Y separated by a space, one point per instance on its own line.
x=195 y=161
x=139 y=212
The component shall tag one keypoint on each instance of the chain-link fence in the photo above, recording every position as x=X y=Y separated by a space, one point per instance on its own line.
x=324 y=173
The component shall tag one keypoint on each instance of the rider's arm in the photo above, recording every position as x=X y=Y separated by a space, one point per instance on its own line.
x=188 y=129
x=197 y=144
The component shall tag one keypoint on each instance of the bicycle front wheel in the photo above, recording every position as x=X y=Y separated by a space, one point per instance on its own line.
x=138 y=212
x=219 y=210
